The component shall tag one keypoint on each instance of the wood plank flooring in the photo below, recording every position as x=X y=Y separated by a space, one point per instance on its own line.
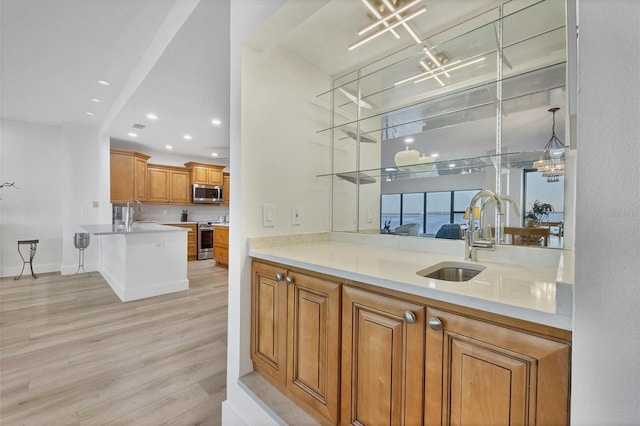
x=71 y=353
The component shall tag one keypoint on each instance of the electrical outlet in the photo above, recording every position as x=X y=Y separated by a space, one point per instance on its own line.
x=95 y=204
x=268 y=214
x=369 y=215
x=296 y=215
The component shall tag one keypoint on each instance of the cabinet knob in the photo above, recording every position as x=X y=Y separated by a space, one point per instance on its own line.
x=435 y=323
x=289 y=280
x=279 y=277
x=409 y=317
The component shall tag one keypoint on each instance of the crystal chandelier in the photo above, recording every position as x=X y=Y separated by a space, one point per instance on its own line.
x=551 y=164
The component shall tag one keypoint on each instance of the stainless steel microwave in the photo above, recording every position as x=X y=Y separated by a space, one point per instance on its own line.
x=206 y=194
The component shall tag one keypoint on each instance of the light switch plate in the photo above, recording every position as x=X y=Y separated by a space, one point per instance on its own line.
x=268 y=214
x=296 y=215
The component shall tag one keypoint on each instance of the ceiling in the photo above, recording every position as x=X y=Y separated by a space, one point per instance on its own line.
x=162 y=56
x=169 y=58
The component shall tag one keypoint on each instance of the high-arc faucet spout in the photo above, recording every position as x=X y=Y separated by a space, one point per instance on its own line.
x=471 y=244
x=128 y=214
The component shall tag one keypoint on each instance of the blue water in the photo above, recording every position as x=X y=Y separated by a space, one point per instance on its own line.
x=436 y=220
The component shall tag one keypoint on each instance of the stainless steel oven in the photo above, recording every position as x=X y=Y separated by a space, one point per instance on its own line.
x=205 y=240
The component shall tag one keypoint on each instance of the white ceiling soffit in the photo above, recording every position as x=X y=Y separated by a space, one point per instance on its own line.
x=53 y=53
x=186 y=89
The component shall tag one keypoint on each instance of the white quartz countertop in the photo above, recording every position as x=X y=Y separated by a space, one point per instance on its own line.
x=532 y=293
x=136 y=228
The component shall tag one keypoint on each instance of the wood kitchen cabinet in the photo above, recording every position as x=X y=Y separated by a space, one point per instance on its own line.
x=205 y=174
x=296 y=336
x=226 y=189
x=383 y=343
x=128 y=172
x=221 y=245
x=480 y=373
x=192 y=242
x=403 y=359
x=168 y=184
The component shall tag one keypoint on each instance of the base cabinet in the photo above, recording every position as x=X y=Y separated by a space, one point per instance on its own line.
x=192 y=242
x=221 y=245
x=480 y=373
x=351 y=354
x=296 y=337
x=382 y=359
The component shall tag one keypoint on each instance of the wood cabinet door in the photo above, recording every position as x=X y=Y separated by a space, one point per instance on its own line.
x=199 y=175
x=180 y=187
x=214 y=176
x=382 y=359
x=140 y=179
x=122 y=176
x=313 y=355
x=226 y=189
x=158 y=185
x=484 y=374
x=269 y=321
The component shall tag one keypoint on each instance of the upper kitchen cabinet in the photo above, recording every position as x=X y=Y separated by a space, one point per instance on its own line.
x=128 y=176
x=168 y=184
x=205 y=174
x=226 y=188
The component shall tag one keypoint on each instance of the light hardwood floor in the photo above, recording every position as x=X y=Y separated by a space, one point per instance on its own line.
x=72 y=353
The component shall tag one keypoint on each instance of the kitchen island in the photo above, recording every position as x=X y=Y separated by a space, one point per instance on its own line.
x=142 y=260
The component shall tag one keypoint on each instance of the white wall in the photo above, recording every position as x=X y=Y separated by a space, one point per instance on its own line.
x=57 y=169
x=606 y=337
x=275 y=158
x=32 y=157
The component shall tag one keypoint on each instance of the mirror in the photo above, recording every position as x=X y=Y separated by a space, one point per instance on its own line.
x=414 y=138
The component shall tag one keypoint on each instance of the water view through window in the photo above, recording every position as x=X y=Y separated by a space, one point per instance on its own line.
x=430 y=210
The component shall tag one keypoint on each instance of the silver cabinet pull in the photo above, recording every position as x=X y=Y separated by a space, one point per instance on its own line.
x=435 y=323
x=289 y=280
x=278 y=277
x=409 y=317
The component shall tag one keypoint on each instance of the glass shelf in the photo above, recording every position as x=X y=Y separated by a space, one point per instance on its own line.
x=528 y=46
x=511 y=160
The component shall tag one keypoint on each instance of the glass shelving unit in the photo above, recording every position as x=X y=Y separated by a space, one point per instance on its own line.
x=499 y=63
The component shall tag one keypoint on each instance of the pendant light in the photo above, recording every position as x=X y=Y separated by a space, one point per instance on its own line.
x=551 y=164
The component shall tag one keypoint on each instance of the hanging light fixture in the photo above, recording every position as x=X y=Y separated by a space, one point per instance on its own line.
x=551 y=164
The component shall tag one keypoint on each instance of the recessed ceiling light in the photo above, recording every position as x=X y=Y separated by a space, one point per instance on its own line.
x=96 y=100
x=435 y=155
x=216 y=122
x=89 y=113
x=408 y=140
x=452 y=165
x=132 y=134
x=104 y=83
x=151 y=116
x=168 y=146
x=390 y=169
x=214 y=154
x=187 y=137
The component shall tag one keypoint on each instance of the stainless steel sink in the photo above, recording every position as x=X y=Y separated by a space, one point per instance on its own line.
x=452 y=271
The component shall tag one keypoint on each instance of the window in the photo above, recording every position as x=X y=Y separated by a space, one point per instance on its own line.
x=537 y=188
x=430 y=209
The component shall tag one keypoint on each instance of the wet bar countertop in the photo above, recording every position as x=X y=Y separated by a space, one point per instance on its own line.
x=513 y=284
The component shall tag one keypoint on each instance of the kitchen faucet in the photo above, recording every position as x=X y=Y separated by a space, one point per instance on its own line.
x=128 y=218
x=486 y=233
x=471 y=244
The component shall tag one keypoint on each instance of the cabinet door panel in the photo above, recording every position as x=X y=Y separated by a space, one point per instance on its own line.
x=158 y=185
x=180 y=187
x=382 y=360
x=314 y=337
x=269 y=322
x=480 y=373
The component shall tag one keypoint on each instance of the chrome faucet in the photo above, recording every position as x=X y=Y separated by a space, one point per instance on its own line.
x=485 y=232
x=471 y=244
x=128 y=214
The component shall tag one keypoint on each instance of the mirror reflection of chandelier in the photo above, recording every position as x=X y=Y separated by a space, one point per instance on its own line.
x=551 y=164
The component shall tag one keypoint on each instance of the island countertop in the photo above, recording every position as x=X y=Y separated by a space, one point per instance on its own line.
x=136 y=228
x=536 y=293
